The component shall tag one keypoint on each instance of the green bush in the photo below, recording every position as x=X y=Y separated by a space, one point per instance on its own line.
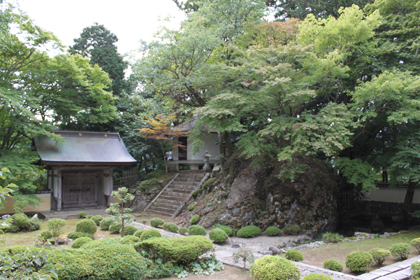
x=130 y=239
x=191 y=207
x=80 y=241
x=87 y=226
x=416 y=244
x=291 y=229
x=218 y=235
x=415 y=270
x=75 y=234
x=149 y=184
x=150 y=233
x=379 y=255
x=227 y=229
x=330 y=237
x=194 y=219
x=55 y=225
x=317 y=276
x=178 y=250
x=182 y=230
x=129 y=230
x=400 y=250
x=34 y=224
x=208 y=182
x=273 y=231
x=332 y=264
x=139 y=232
x=89 y=216
x=45 y=234
x=144 y=221
x=155 y=222
x=21 y=221
x=274 y=268
x=294 y=255
x=81 y=215
x=12 y=228
x=196 y=193
x=359 y=261
x=248 y=231
x=196 y=230
x=172 y=227
x=115 y=227
x=105 y=223
x=97 y=219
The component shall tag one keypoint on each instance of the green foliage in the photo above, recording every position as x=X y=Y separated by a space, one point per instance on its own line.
x=194 y=219
x=130 y=239
x=415 y=270
x=400 y=250
x=196 y=193
x=144 y=221
x=150 y=233
x=97 y=219
x=118 y=210
x=81 y=215
x=218 y=235
x=191 y=207
x=416 y=244
x=182 y=230
x=274 y=267
x=34 y=224
x=129 y=230
x=292 y=229
x=317 y=276
x=294 y=255
x=45 y=234
x=89 y=216
x=332 y=237
x=115 y=227
x=86 y=225
x=21 y=221
x=139 y=232
x=359 y=261
x=105 y=223
x=56 y=225
x=229 y=231
x=208 y=182
x=248 y=231
x=178 y=250
x=80 y=241
x=7 y=190
x=332 y=264
x=172 y=227
x=379 y=255
x=155 y=222
x=272 y=231
x=245 y=255
x=149 y=184
x=196 y=230
x=76 y=234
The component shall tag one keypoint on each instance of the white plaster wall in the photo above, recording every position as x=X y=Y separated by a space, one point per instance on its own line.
x=108 y=182
x=209 y=145
x=392 y=195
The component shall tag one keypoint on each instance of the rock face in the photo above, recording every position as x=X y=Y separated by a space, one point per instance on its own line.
x=259 y=197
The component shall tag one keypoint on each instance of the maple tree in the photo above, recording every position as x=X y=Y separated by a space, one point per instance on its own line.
x=162 y=131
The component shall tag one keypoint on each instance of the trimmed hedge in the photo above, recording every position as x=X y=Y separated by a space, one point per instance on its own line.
x=294 y=255
x=274 y=268
x=97 y=219
x=129 y=230
x=334 y=265
x=292 y=229
x=229 y=231
x=155 y=222
x=86 y=225
x=182 y=230
x=416 y=244
x=80 y=241
x=172 y=227
x=130 y=239
x=115 y=227
x=218 y=235
x=196 y=230
x=45 y=234
x=194 y=219
x=379 y=255
x=415 y=270
x=272 y=231
x=400 y=250
x=105 y=223
x=248 y=231
x=359 y=261
x=75 y=234
x=317 y=276
x=139 y=232
x=150 y=233
x=21 y=221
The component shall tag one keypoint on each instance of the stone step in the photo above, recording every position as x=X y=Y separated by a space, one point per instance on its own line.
x=180 y=190
x=159 y=212
x=165 y=209
x=169 y=198
x=164 y=204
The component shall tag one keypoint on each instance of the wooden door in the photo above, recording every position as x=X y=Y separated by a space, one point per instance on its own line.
x=79 y=189
x=182 y=150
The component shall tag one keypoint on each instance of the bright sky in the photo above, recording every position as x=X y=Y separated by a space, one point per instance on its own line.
x=130 y=20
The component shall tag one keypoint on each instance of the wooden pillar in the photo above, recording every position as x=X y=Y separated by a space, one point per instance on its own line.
x=59 y=190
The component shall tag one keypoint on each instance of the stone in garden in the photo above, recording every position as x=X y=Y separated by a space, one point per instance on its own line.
x=5 y=217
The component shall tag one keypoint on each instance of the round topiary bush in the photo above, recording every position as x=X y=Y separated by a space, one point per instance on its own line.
x=274 y=268
x=229 y=231
x=34 y=224
x=317 y=276
x=130 y=239
x=87 y=226
x=248 y=231
x=21 y=221
x=273 y=231
x=415 y=270
x=80 y=241
x=172 y=227
x=144 y=221
x=218 y=236
x=155 y=222
x=196 y=230
x=139 y=232
x=182 y=230
x=150 y=233
x=332 y=264
x=89 y=216
x=292 y=229
x=97 y=219
x=191 y=206
x=194 y=219
x=416 y=244
x=115 y=227
x=105 y=223
x=45 y=234
x=379 y=255
x=294 y=255
x=75 y=234
x=400 y=250
x=129 y=230
x=81 y=215
x=359 y=261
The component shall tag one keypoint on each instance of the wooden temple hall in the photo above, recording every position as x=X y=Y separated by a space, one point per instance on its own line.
x=80 y=169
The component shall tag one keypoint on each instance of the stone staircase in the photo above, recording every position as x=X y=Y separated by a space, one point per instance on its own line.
x=174 y=196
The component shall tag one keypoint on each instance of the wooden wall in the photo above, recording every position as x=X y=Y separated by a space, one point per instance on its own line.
x=43 y=206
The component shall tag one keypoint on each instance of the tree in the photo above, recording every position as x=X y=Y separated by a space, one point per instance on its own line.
x=118 y=210
x=55 y=225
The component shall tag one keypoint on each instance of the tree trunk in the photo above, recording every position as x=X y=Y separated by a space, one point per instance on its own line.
x=222 y=161
x=145 y=163
x=164 y=159
x=408 y=200
x=122 y=228
x=153 y=161
x=228 y=143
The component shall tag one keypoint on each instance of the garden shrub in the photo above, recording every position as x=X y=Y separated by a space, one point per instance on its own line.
x=229 y=231
x=330 y=237
x=34 y=224
x=218 y=235
x=86 y=225
x=182 y=230
x=45 y=234
x=19 y=249
x=55 y=225
x=294 y=255
x=379 y=255
x=89 y=216
x=150 y=233
x=317 y=276
x=172 y=227
x=178 y=250
x=130 y=239
x=80 y=241
x=272 y=231
x=292 y=229
x=105 y=223
x=81 y=215
x=208 y=182
x=191 y=207
x=248 y=231
x=12 y=228
x=194 y=219
x=139 y=232
x=129 y=230
x=102 y=242
x=359 y=261
x=416 y=244
x=415 y=270
x=155 y=222
x=75 y=234
x=400 y=250
x=115 y=227
x=21 y=221
x=97 y=219
x=332 y=264
x=149 y=184
x=196 y=230
x=144 y=221
x=274 y=268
